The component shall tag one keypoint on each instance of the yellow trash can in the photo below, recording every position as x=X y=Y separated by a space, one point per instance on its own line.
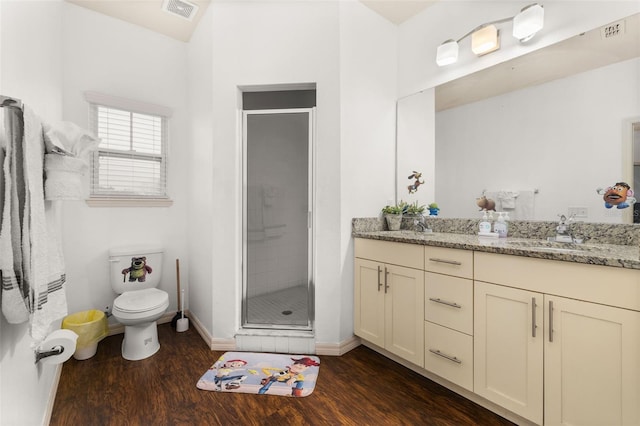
x=91 y=327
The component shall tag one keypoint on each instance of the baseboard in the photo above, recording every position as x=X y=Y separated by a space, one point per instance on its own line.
x=337 y=349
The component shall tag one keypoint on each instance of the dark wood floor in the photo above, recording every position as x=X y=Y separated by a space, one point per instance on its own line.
x=358 y=388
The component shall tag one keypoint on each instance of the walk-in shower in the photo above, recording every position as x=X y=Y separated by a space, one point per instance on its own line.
x=278 y=210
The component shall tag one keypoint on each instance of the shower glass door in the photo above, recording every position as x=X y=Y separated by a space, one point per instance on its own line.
x=278 y=243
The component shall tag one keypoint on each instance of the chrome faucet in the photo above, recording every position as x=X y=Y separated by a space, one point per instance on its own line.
x=563 y=232
x=420 y=225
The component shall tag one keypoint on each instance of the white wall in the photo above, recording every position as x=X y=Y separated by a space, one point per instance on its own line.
x=562 y=137
x=31 y=71
x=200 y=182
x=367 y=137
x=117 y=58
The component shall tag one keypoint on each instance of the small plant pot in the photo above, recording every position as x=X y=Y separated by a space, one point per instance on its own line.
x=393 y=221
x=434 y=212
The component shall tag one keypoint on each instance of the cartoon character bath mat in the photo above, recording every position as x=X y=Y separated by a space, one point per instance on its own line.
x=262 y=373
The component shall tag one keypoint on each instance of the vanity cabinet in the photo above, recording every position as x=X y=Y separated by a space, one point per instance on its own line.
x=565 y=354
x=389 y=297
x=448 y=332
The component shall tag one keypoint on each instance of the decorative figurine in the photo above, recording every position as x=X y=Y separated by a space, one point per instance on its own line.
x=619 y=195
x=414 y=186
x=486 y=204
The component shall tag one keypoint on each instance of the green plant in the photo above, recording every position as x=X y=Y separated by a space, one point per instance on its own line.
x=433 y=206
x=414 y=208
x=396 y=209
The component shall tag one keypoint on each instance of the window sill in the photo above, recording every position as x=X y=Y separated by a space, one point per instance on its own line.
x=129 y=202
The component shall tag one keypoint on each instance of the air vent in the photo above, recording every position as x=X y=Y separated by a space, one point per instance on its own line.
x=614 y=29
x=181 y=8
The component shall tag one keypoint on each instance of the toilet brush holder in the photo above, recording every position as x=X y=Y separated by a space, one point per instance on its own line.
x=182 y=325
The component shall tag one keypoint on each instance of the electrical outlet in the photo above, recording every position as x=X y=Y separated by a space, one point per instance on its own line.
x=578 y=212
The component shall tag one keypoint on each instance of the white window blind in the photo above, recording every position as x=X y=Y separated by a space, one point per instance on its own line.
x=131 y=159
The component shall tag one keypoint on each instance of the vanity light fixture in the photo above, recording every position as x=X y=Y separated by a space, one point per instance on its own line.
x=485 y=40
x=486 y=37
x=447 y=53
x=528 y=22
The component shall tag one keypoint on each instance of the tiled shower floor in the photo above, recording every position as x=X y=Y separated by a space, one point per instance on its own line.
x=283 y=307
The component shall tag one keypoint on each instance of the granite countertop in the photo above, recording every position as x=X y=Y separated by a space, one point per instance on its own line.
x=593 y=251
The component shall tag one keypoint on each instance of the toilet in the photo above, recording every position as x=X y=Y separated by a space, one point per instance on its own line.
x=135 y=273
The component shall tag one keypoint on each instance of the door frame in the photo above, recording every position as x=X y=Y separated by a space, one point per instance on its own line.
x=311 y=218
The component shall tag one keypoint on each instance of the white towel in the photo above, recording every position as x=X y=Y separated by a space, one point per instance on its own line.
x=15 y=302
x=507 y=199
x=65 y=177
x=69 y=138
x=525 y=206
x=49 y=300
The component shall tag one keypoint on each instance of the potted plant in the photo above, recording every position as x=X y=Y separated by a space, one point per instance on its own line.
x=393 y=215
x=433 y=209
x=414 y=209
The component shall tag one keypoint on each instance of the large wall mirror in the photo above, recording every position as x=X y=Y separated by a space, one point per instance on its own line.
x=543 y=131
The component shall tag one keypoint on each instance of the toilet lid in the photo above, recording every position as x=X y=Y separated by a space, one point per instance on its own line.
x=140 y=300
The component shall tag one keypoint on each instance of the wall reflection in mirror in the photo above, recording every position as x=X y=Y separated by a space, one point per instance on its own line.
x=559 y=120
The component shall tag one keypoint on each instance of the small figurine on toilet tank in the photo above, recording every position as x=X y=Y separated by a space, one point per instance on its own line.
x=619 y=195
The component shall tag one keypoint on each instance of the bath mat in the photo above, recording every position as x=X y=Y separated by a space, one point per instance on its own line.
x=262 y=373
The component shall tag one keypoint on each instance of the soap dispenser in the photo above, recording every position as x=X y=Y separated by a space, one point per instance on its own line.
x=500 y=226
x=485 y=225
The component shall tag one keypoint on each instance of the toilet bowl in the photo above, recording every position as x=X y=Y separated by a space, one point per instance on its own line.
x=135 y=272
x=138 y=311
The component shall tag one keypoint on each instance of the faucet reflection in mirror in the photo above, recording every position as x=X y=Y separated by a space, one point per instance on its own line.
x=485 y=37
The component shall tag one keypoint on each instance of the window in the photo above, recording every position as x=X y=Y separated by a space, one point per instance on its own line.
x=131 y=160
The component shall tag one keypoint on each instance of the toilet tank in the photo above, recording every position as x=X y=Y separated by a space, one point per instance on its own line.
x=139 y=273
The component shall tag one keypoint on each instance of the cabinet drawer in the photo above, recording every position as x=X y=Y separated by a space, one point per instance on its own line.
x=448 y=261
x=449 y=354
x=402 y=254
x=619 y=287
x=448 y=301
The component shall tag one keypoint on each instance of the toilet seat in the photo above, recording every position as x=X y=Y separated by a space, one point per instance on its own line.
x=140 y=301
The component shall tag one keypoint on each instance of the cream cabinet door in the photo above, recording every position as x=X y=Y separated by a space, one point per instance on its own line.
x=369 y=304
x=508 y=348
x=592 y=364
x=404 y=313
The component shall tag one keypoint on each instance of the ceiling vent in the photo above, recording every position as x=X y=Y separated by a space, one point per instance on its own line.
x=181 y=8
x=614 y=29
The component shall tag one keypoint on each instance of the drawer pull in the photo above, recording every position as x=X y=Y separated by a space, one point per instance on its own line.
x=449 y=357
x=386 y=280
x=379 y=272
x=533 y=317
x=444 y=302
x=450 y=262
x=550 y=321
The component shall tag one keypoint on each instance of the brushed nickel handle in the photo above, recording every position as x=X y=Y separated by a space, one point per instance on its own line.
x=445 y=356
x=386 y=279
x=550 y=321
x=450 y=262
x=379 y=272
x=444 y=302
x=533 y=317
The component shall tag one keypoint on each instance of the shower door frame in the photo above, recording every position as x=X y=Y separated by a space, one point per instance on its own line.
x=311 y=185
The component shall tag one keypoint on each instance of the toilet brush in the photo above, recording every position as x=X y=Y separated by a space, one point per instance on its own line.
x=183 y=323
x=179 y=314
